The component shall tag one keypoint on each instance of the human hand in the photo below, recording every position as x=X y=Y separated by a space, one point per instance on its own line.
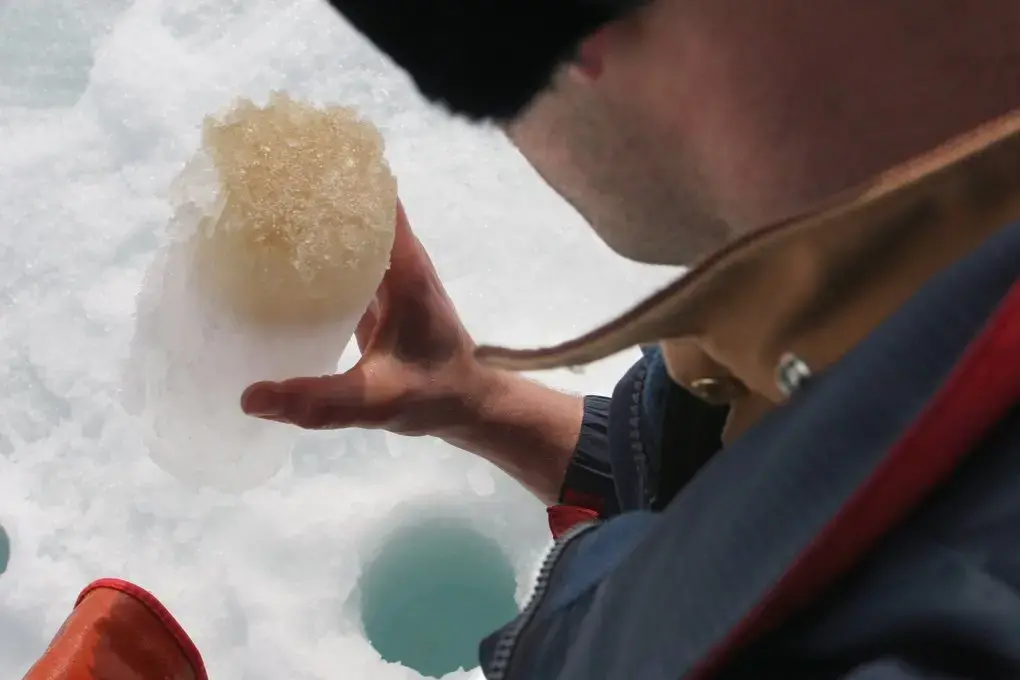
x=417 y=374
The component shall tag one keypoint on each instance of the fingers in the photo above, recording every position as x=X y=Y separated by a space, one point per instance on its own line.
x=408 y=259
x=406 y=265
x=410 y=287
x=326 y=402
x=404 y=240
x=367 y=326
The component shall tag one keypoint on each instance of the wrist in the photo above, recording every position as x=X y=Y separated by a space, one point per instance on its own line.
x=480 y=392
x=526 y=429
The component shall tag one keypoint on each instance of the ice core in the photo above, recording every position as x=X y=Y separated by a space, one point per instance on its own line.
x=282 y=229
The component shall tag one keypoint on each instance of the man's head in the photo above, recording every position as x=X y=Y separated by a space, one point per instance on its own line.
x=673 y=125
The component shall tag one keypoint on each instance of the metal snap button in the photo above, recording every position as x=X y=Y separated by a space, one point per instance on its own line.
x=791 y=373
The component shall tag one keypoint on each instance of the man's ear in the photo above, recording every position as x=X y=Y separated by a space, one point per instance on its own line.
x=613 y=44
x=590 y=59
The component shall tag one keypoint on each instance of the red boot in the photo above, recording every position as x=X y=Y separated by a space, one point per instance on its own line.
x=118 y=631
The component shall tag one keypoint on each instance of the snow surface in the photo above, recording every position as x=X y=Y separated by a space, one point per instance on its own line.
x=100 y=105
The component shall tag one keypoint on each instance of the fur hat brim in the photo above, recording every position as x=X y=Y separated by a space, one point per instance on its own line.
x=481 y=59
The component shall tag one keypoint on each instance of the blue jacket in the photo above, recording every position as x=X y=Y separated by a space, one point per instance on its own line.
x=869 y=529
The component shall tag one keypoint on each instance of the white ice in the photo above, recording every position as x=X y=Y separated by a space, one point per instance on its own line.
x=99 y=108
x=188 y=362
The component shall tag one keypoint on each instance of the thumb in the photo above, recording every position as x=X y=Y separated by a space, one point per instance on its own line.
x=315 y=403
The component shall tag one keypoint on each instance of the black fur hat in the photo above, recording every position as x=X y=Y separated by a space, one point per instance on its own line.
x=484 y=59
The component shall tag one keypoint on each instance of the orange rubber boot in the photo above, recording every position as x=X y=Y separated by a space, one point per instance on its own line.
x=118 y=631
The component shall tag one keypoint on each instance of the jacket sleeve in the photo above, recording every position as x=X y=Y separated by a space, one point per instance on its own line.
x=638 y=448
x=588 y=490
x=590 y=486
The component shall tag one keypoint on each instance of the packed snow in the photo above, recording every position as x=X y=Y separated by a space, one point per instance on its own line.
x=100 y=108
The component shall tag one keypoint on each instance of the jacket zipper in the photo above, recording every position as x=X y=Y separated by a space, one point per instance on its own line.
x=500 y=664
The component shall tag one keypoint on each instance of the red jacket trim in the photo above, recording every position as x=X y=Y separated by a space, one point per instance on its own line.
x=562 y=518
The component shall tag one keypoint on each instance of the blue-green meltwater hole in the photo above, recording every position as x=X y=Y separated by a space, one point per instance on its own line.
x=435 y=589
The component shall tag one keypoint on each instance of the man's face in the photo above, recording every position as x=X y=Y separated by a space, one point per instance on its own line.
x=690 y=121
x=608 y=139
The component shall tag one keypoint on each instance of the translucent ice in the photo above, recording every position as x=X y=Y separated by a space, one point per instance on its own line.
x=282 y=230
x=5 y=550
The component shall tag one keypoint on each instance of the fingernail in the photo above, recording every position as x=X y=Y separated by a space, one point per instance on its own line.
x=263 y=403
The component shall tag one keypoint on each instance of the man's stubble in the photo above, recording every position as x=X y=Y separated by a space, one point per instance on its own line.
x=627 y=177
